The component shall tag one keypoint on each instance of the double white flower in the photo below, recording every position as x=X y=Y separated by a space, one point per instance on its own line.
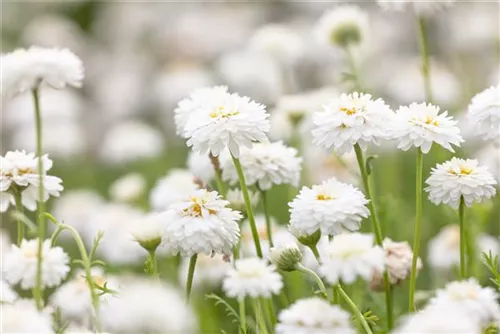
x=484 y=113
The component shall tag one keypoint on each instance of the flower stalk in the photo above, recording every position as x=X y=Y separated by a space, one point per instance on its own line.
x=20 y=210
x=424 y=55
x=189 y=283
x=463 y=238
x=354 y=309
x=418 y=229
x=269 y=229
x=315 y=276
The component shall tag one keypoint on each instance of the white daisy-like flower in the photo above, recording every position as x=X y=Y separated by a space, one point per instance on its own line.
x=201 y=166
x=226 y=120
x=23 y=317
x=265 y=165
x=201 y=223
x=352 y=119
x=19 y=265
x=342 y=26
x=148 y=230
x=23 y=69
x=172 y=188
x=19 y=170
x=314 y=316
x=478 y=302
x=210 y=271
x=484 y=113
x=424 y=8
x=332 y=207
x=252 y=277
x=421 y=125
x=282 y=43
x=351 y=255
x=455 y=178
x=7 y=294
x=128 y=188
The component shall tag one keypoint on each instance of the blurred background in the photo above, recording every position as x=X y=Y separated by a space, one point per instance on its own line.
x=141 y=58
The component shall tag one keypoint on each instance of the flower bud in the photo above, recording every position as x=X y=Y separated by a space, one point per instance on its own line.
x=309 y=240
x=148 y=231
x=285 y=257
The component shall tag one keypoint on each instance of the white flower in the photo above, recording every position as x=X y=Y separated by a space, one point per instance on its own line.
x=23 y=69
x=252 y=277
x=23 y=317
x=332 y=207
x=314 y=316
x=265 y=165
x=146 y=306
x=172 y=188
x=201 y=167
x=201 y=223
x=490 y=156
x=282 y=43
x=484 y=113
x=131 y=140
x=349 y=256
x=19 y=169
x=148 y=231
x=342 y=26
x=210 y=271
x=226 y=120
x=421 y=125
x=477 y=302
x=7 y=295
x=425 y=8
x=455 y=178
x=20 y=264
x=128 y=188
x=352 y=119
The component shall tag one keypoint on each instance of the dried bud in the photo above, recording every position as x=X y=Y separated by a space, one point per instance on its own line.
x=286 y=256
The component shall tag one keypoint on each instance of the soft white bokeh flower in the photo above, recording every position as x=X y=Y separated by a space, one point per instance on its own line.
x=252 y=277
x=20 y=264
x=26 y=69
x=23 y=317
x=342 y=26
x=201 y=223
x=476 y=301
x=128 y=188
x=148 y=230
x=424 y=8
x=129 y=141
x=332 y=207
x=7 y=294
x=351 y=255
x=484 y=113
x=5 y=243
x=352 y=119
x=489 y=156
x=200 y=166
x=314 y=316
x=265 y=165
x=172 y=188
x=145 y=306
x=458 y=178
x=210 y=271
x=421 y=125
x=279 y=41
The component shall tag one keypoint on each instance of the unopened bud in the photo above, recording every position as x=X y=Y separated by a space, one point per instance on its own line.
x=285 y=257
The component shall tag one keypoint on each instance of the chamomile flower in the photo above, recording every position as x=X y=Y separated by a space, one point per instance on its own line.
x=455 y=178
x=201 y=223
x=19 y=265
x=173 y=187
x=351 y=119
x=26 y=69
x=351 y=255
x=484 y=113
x=265 y=165
x=421 y=125
x=314 y=316
x=252 y=277
x=23 y=316
x=332 y=207
x=424 y=8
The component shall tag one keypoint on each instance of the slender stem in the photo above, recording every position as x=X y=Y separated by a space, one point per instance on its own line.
x=20 y=209
x=318 y=280
x=463 y=238
x=424 y=54
x=272 y=312
x=259 y=317
x=418 y=229
x=355 y=309
x=269 y=229
x=218 y=175
x=335 y=295
x=353 y=67
x=268 y=311
x=248 y=204
x=189 y=284
x=243 y=317
x=154 y=263
x=314 y=250
x=377 y=228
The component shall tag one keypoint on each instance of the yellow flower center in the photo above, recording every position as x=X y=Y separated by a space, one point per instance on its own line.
x=30 y=252
x=20 y=171
x=430 y=120
x=196 y=208
x=349 y=111
x=221 y=112
x=323 y=197
x=464 y=170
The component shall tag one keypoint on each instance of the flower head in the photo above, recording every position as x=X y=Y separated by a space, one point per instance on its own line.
x=314 y=316
x=252 y=277
x=285 y=256
x=128 y=188
x=282 y=43
x=333 y=207
x=484 y=113
x=172 y=188
x=421 y=125
x=352 y=119
x=23 y=317
x=201 y=223
x=455 y=178
x=352 y=255
x=19 y=265
x=24 y=70
x=148 y=231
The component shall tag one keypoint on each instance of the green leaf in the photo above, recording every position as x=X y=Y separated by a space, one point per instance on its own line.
x=230 y=311
x=491 y=262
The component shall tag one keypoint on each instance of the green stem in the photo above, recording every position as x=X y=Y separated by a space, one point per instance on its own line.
x=463 y=238
x=243 y=317
x=259 y=317
x=314 y=250
x=353 y=67
x=377 y=228
x=424 y=54
x=41 y=205
x=248 y=205
x=318 y=280
x=335 y=295
x=269 y=229
x=218 y=175
x=354 y=309
x=418 y=229
x=189 y=283
x=20 y=210
x=268 y=310
x=154 y=263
